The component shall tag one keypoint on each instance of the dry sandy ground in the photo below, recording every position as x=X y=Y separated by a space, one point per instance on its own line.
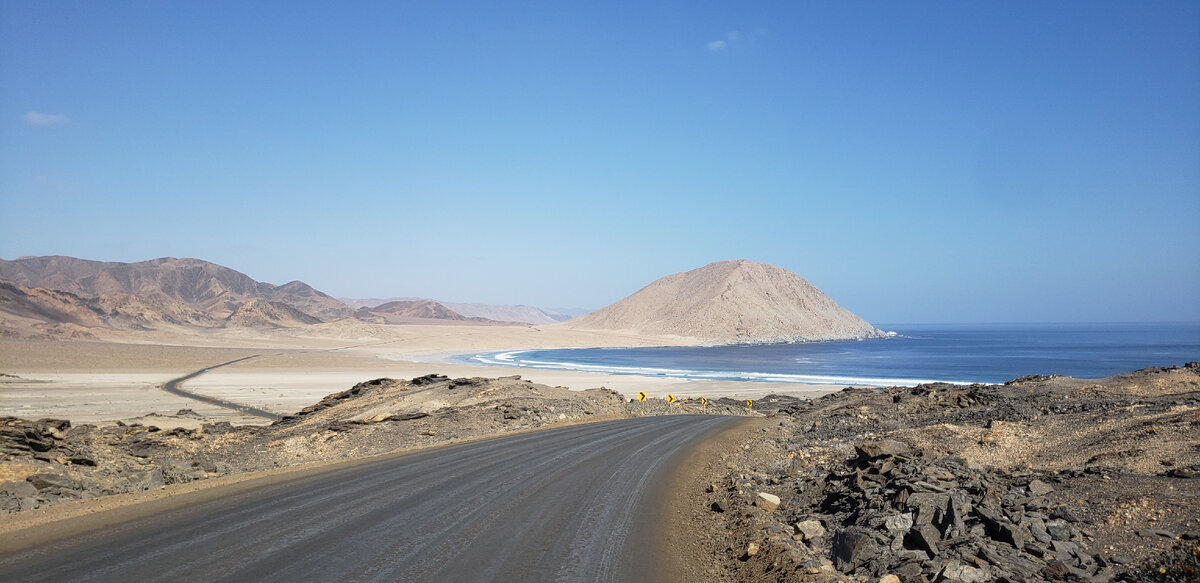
x=98 y=382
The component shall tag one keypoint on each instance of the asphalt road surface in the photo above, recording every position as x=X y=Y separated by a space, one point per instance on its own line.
x=578 y=503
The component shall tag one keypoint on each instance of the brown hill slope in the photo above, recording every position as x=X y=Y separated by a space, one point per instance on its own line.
x=209 y=288
x=418 y=309
x=38 y=312
x=42 y=305
x=267 y=314
x=125 y=311
x=732 y=302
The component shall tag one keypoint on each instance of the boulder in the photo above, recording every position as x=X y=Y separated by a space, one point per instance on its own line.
x=1040 y=488
x=810 y=529
x=898 y=522
x=853 y=547
x=21 y=489
x=46 y=481
x=957 y=571
x=880 y=448
x=767 y=501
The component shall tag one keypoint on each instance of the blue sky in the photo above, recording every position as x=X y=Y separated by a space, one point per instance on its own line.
x=919 y=162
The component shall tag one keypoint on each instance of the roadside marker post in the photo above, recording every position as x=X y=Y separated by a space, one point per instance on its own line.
x=670 y=398
x=749 y=404
x=704 y=401
x=642 y=398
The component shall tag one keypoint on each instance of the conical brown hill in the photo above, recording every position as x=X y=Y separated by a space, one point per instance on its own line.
x=732 y=302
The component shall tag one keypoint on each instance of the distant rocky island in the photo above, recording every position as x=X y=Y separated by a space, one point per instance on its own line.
x=732 y=302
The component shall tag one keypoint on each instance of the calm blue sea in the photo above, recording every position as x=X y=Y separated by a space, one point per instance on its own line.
x=921 y=353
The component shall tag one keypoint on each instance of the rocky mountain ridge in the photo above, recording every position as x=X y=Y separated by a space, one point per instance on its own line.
x=206 y=287
x=67 y=297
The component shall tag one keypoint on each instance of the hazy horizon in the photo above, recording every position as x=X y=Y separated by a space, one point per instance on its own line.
x=933 y=163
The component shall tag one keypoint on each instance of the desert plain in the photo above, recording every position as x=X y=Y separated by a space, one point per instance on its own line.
x=119 y=377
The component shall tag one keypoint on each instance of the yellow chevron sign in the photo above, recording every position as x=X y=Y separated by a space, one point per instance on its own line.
x=641 y=395
x=749 y=403
x=703 y=401
x=670 y=398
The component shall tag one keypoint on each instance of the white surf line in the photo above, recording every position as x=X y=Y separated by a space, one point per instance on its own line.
x=511 y=359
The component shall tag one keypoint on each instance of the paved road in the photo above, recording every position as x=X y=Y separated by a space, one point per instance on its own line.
x=572 y=504
x=174 y=386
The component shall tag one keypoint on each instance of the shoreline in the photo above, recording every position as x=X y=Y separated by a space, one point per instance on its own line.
x=496 y=359
x=104 y=382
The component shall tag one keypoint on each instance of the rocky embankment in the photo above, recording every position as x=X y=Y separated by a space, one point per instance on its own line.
x=1041 y=479
x=49 y=461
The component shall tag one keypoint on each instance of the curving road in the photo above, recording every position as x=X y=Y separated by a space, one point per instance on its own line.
x=578 y=503
x=175 y=387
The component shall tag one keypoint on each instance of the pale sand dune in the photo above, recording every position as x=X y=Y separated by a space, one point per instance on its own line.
x=96 y=382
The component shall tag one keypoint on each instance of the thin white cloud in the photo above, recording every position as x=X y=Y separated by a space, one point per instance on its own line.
x=735 y=38
x=45 y=119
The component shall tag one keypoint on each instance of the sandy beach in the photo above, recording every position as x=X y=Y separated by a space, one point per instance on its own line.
x=120 y=377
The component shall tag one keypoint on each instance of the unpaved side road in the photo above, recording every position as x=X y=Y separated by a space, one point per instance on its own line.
x=175 y=387
x=580 y=503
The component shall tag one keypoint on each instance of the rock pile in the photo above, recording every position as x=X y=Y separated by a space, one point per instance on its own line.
x=945 y=519
x=1040 y=479
x=900 y=511
x=49 y=460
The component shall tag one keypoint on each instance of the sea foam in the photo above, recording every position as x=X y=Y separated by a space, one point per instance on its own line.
x=513 y=358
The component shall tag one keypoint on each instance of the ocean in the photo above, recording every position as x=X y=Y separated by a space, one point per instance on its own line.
x=920 y=353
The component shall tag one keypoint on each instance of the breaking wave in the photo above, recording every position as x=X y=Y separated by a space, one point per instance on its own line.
x=517 y=359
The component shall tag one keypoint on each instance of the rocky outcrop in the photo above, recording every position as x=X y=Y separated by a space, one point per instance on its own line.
x=731 y=302
x=268 y=314
x=1041 y=479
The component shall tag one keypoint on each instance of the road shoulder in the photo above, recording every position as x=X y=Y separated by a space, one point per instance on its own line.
x=684 y=522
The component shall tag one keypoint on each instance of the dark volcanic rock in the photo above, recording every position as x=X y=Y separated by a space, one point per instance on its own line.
x=852 y=547
x=884 y=447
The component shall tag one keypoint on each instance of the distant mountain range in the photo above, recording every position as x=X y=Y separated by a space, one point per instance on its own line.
x=731 y=302
x=413 y=312
x=525 y=314
x=61 y=290
x=66 y=296
x=725 y=302
x=213 y=290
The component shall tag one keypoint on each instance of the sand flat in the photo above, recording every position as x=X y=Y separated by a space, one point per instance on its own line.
x=99 y=398
x=96 y=382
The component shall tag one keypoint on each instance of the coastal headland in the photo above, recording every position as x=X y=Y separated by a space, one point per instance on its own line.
x=1041 y=478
